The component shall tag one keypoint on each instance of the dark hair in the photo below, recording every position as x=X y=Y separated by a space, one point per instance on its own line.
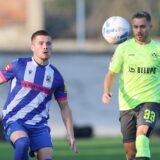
x=142 y=14
x=39 y=33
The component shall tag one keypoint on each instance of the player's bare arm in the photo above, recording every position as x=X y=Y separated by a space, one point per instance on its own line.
x=67 y=119
x=2 y=80
x=108 y=83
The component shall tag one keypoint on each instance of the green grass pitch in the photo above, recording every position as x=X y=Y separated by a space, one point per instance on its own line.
x=109 y=148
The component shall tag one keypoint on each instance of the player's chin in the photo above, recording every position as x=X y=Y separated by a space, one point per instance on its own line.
x=139 y=37
x=45 y=56
x=44 y=59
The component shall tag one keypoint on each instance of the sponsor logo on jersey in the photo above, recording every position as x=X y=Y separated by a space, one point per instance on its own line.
x=145 y=70
x=36 y=87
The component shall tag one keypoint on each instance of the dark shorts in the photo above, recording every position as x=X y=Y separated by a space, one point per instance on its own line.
x=143 y=114
x=39 y=136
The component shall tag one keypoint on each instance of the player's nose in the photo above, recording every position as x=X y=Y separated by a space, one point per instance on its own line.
x=45 y=46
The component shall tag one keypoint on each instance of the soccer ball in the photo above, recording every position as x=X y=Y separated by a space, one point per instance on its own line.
x=116 y=30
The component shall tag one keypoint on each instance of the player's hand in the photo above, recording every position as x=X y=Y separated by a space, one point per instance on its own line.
x=72 y=143
x=106 y=98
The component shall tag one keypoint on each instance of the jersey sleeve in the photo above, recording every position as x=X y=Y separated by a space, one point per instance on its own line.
x=61 y=91
x=116 y=63
x=8 y=72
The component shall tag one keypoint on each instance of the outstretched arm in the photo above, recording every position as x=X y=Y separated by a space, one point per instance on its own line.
x=108 y=83
x=67 y=119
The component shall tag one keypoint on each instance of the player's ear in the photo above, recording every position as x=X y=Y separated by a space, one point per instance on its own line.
x=32 y=48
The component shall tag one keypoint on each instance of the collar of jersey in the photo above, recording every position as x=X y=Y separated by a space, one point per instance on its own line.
x=37 y=64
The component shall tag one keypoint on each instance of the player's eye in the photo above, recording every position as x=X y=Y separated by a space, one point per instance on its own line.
x=40 y=43
x=135 y=27
x=143 y=26
x=49 y=43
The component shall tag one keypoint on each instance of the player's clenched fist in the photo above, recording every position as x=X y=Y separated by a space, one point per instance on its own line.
x=106 y=98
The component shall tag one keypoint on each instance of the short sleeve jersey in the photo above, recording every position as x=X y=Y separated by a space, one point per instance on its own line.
x=139 y=68
x=31 y=90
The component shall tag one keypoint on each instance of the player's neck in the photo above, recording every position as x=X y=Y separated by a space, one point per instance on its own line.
x=146 y=41
x=40 y=61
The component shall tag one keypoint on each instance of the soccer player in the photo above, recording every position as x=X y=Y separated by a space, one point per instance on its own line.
x=138 y=62
x=34 y=81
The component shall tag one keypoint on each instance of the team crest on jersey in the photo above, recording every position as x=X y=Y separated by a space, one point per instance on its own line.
x=9 y=66
x=154 y=55
x=48 y=78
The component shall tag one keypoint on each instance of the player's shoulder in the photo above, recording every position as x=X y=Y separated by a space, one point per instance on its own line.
x=23 y=59
x=54 y=68
x=56 y=72
x=128 y=42
x=155 y=43
x=125 y=45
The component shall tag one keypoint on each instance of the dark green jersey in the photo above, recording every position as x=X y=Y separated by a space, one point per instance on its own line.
x=139 y=66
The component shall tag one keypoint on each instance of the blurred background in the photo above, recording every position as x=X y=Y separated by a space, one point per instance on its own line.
x=79 y=52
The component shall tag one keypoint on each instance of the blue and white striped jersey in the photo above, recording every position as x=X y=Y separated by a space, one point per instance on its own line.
x=31 y=90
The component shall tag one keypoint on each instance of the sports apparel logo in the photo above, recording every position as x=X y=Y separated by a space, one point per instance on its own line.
x=30 y=71
x=131 y=55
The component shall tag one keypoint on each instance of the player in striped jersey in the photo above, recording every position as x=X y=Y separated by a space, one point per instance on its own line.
x=25 y=114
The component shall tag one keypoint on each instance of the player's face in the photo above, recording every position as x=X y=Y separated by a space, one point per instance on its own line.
x=141 y=29
x=42 y=48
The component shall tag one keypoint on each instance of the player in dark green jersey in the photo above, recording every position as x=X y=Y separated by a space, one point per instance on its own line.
x=138 y=62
